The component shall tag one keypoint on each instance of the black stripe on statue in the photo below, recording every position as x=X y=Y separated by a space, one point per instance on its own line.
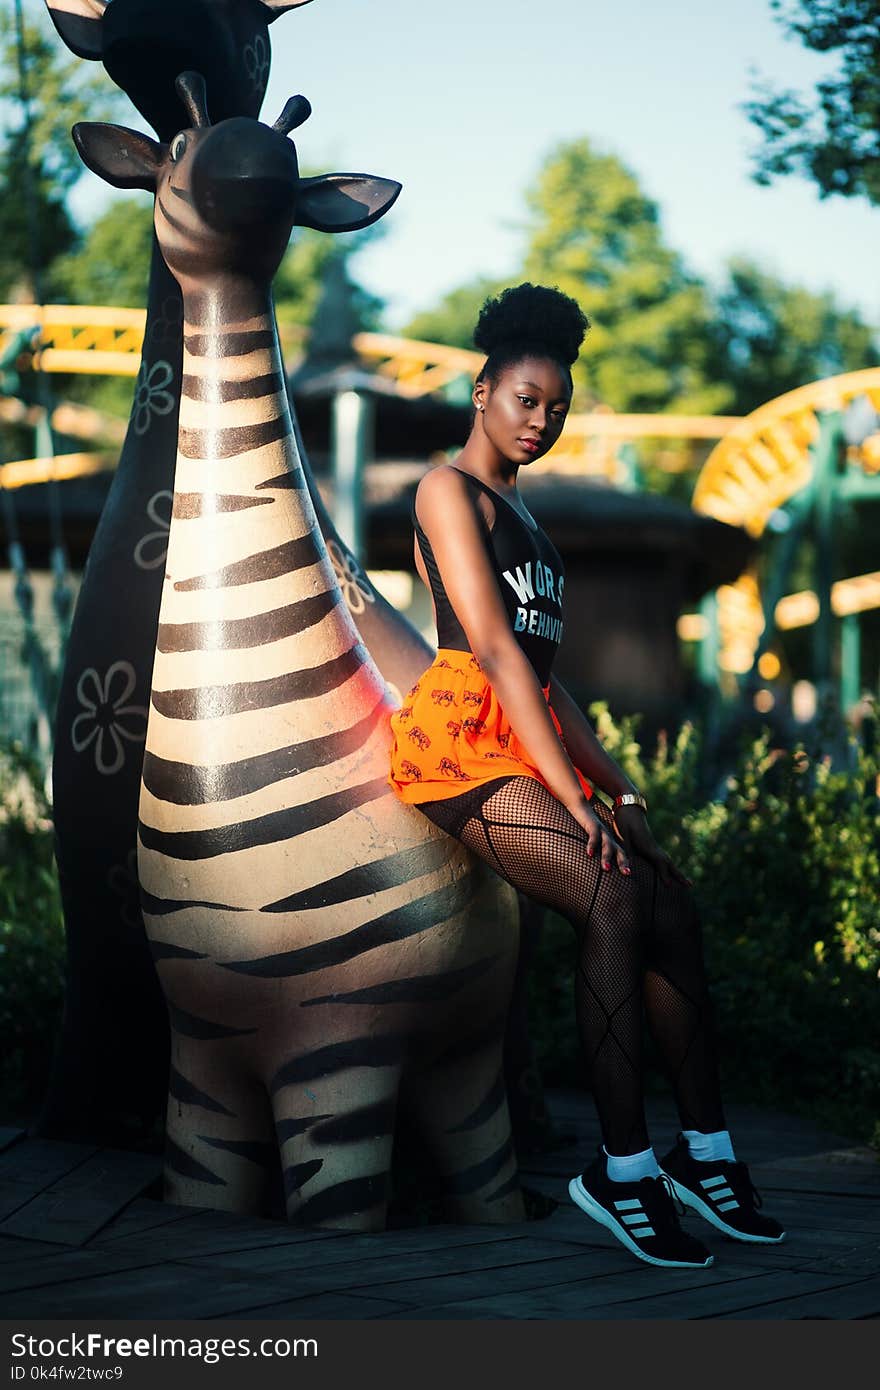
x=262 y=830
x=355 y=1125
x=233 y=439
x=217 y=701
x=189 y=506
x=285 y=481
x=298 y=1174
x=289 y=1129
x=166 y=950
x=415 y=989
x=256 y=1150
x=350 y=1198
x=408 y=920
x=251 y=388
x=191 y=1026
x=162 y=907
x=512 y=1185
x=486 y=1108
x=237 y=634
x=185 y=785
x=186 y=1166
x=228 y=344
x=478 y=1174
x=369 y=1050
x=182 y=1089
x=265 y=564
x=402 y=867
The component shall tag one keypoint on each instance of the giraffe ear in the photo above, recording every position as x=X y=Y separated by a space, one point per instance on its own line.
x=277 y=8
x=343 y=202
x=120 y=156
x=79 y=22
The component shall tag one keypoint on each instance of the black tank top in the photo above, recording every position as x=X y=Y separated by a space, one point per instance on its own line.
x=530 y=575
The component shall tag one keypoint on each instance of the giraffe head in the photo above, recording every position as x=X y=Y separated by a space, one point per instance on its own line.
x=144 y=44
x=228 y=195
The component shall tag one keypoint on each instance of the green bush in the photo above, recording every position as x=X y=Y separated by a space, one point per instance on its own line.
x=786 y=871
x=31 y=937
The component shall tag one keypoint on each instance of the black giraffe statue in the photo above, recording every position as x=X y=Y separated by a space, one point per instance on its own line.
x=111 y=1062
x=310 y=932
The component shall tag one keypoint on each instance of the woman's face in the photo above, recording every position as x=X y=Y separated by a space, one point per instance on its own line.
x=524 y=411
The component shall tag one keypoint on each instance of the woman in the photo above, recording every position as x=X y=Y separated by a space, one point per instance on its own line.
x=492 y=749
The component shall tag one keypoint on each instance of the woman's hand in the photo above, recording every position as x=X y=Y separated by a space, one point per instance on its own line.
x=600 y=841
x=636 y=834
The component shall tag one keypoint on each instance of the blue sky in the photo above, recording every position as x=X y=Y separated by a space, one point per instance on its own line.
x=462 y=101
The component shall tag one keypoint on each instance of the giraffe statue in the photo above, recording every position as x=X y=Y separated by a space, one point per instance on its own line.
x=110 y=1071
x=111 y=1061
x=307 y=927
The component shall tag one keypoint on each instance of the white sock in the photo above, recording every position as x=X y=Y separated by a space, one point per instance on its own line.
x=632 y=1167
x=709 y=1148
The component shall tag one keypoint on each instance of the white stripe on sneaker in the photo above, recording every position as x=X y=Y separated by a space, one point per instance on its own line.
x=720 y=1193
x=633 y=1218
x=727 y=1206
x=642 y=1231
x=631 y=1204
x=712 y=1182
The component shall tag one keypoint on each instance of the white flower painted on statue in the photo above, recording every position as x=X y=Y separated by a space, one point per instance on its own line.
x=355 y=586
x=256 y=62
x=107 y=718
x=166 y=328
x=150 y=396
x=122 y=881
x=152 y=549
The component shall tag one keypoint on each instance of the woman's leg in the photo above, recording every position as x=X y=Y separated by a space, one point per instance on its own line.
x=676 y=995
x=526 y=835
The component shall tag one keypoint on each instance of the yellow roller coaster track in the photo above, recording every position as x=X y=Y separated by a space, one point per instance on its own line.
x=95 y=339
x=760 y=461
x=758 y=466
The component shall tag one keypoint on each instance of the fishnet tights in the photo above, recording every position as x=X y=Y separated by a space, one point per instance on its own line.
x=639 y=947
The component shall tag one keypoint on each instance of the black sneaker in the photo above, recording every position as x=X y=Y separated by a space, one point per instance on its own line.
x=722 y=1192
x=642 y=1215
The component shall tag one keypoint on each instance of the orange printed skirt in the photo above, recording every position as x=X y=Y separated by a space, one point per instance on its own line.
x=451 y=734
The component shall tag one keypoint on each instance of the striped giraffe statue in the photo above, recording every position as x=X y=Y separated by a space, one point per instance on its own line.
x=310 y=932
x=111 y=1063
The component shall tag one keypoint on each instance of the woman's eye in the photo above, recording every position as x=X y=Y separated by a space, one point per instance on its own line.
x=178 y=145
x=527 y=400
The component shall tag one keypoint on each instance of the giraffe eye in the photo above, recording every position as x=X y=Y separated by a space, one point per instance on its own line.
x=178 y=145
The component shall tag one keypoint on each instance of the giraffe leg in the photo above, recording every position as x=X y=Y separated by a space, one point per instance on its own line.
x=459 y=1105
x=336 y=1135
x=220 y=1147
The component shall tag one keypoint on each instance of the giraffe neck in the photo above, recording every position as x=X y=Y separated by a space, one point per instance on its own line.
x=252 y=623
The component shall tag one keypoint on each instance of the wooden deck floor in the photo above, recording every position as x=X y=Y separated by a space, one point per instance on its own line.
x=79 y=1239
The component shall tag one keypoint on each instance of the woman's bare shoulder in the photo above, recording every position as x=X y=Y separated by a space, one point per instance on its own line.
x=445 y=487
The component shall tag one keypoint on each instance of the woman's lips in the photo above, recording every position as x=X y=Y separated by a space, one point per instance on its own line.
x=533 y=445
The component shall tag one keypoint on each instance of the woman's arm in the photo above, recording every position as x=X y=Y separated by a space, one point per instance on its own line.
x=453 y=524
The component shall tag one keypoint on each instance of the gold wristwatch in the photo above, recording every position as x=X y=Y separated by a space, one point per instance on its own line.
x=631 y=799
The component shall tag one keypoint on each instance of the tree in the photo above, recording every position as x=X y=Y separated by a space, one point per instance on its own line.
x=774 y=337
x=40 y=99
x=596 y=235
x=112 y=263
x=833 y=137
